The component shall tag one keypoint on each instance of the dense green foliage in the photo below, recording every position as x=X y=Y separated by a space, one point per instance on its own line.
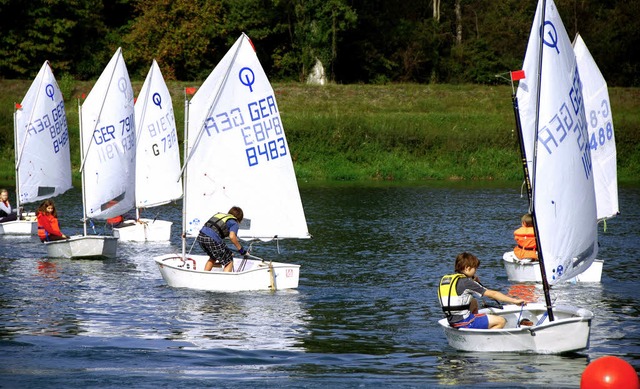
x=399 y=132
x=357 y=41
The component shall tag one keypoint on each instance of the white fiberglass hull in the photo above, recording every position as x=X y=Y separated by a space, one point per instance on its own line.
x=253 y=275
x=570 y=331
x=19 y=227
x=145 y=230
x=528 y=271
x=78 y=246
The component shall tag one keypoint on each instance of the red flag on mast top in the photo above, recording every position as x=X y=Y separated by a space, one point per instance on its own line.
x=517 y=75
x=190 y=90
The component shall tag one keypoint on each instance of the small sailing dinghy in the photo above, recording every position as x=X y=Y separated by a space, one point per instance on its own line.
x=237 y=154
x=603 y=157
x=157 y=160
x=562 y=197
x=108 y=146
x=41 y=136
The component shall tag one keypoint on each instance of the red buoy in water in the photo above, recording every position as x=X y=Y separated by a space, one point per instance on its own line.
x=609 y=372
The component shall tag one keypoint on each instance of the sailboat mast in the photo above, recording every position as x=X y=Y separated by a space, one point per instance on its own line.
x=82 y=156
x=184 y=178
x=545 y=282
x=525 y=167
x=139 y=135
x=15 y=152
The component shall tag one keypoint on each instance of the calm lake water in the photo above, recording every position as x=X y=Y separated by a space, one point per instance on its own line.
x=365 y=313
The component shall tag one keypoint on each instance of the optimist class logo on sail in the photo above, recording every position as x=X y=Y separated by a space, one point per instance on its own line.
x=258 y=122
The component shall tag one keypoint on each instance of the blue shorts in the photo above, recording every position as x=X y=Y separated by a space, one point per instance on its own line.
x=479 y=321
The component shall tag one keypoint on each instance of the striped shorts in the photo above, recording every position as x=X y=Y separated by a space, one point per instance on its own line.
x=216 y=251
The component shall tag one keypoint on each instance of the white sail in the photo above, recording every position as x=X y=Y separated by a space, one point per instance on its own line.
x=602 y=139
x=157 y=154
x=527 y=93
x=42 y=141
x=238 y=154
x=109 y=143
x=563 y=186
x=563 y=198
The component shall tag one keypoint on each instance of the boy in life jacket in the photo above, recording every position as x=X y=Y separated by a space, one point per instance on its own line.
x=212 y=235
x=456 y=295
x=525 y=237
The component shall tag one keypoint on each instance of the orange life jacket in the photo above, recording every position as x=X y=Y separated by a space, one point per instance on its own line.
x=115 y=220
x=525 y=243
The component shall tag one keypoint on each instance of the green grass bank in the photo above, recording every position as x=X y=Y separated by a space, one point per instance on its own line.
x=400 y=132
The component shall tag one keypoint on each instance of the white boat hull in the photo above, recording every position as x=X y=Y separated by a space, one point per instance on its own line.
x=529 y=271
x=253 y=275
x=146 y=230
x=19 y=227
x=570 y=331
x=79 y=246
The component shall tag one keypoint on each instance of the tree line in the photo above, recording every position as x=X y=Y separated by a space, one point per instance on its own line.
x=356 y=41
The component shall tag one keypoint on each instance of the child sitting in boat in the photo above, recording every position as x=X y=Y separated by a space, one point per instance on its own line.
x=6 y=214
x=525 y=239
x=456 y=293
x=48 y=228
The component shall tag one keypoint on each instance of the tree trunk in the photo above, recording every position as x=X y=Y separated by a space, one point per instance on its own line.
x=458 y=10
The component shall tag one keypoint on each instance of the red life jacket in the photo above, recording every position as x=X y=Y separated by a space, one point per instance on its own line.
x=47 y=225
x=115 y=220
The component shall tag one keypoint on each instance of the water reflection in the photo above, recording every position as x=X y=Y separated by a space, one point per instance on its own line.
x=365 y=312
x=245 y=321
x=528 y=292
x=47 y=269
x=532 y=369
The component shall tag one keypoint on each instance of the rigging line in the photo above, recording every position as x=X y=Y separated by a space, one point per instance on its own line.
x=519 y=316
x=192 y=244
